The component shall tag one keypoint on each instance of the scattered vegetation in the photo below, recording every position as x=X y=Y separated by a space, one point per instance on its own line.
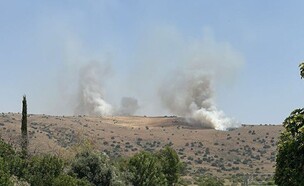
x=89 y=167
x=147 y=162
x=208 y=180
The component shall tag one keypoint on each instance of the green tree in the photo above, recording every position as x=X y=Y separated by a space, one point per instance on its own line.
x=17 y=166
x=4 y=173
x=95 y=168
x=146 y=170
x=42 y=170
x=24 y=138
x=6 y=150
x=171 y=165
x=290 y=158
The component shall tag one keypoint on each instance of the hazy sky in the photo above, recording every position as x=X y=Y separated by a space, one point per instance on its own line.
x=43 y=42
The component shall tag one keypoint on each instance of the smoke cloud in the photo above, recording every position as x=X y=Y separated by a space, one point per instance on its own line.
x=91 y=95
x=192 y=97
x=189 y=92
x=171 y=74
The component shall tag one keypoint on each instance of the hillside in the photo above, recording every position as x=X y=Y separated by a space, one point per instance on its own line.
x=250 y=149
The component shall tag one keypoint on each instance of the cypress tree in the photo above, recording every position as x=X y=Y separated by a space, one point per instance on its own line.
x=24 y=142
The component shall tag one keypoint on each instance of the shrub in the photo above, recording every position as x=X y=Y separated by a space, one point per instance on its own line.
x=4 y=173
x=95 y=168
x=14 y=163
x=146 y=170
x=6 y=150
x=171 y=165
x=43 y=169
x=18 y=166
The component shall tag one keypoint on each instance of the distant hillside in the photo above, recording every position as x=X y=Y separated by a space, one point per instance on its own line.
x=250 y=149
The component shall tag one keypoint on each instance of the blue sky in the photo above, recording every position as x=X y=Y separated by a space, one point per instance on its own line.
x=40 y=40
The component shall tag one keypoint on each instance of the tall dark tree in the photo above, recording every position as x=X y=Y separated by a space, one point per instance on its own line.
x=24 y=138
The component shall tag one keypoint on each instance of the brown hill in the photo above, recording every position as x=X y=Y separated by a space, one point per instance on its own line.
x=250 y=149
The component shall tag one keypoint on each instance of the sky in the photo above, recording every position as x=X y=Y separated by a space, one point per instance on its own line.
x=44 y=43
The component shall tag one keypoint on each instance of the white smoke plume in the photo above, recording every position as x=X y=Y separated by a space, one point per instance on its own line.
x=189 y=92
x=192 y=97
x=171 y=74
x=91 y=95
x=91 y=98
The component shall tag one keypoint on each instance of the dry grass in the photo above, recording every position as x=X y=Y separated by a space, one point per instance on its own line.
x=250 y=149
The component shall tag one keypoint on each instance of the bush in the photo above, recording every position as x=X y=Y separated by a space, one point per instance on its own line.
x=15 y=164
x=4 y=173
x=43 y=169
x=95 y=168
x=171 y=165
x=6 y=150
x=146 y=170
x=18 y=166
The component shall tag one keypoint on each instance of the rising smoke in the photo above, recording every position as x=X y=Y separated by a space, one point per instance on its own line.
x=189 y=92
x=188 y=89
x=91 y=94
x=178 y=73
x=91 y=98
x=192 y=98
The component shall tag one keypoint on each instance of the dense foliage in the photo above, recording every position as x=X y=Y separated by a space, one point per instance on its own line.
x=171 y=165
x=146 y=170
x=96 y=168
x=4 y=173
x=290 y=157
x=35 y=170
x=89 y=167
x=44 y=169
